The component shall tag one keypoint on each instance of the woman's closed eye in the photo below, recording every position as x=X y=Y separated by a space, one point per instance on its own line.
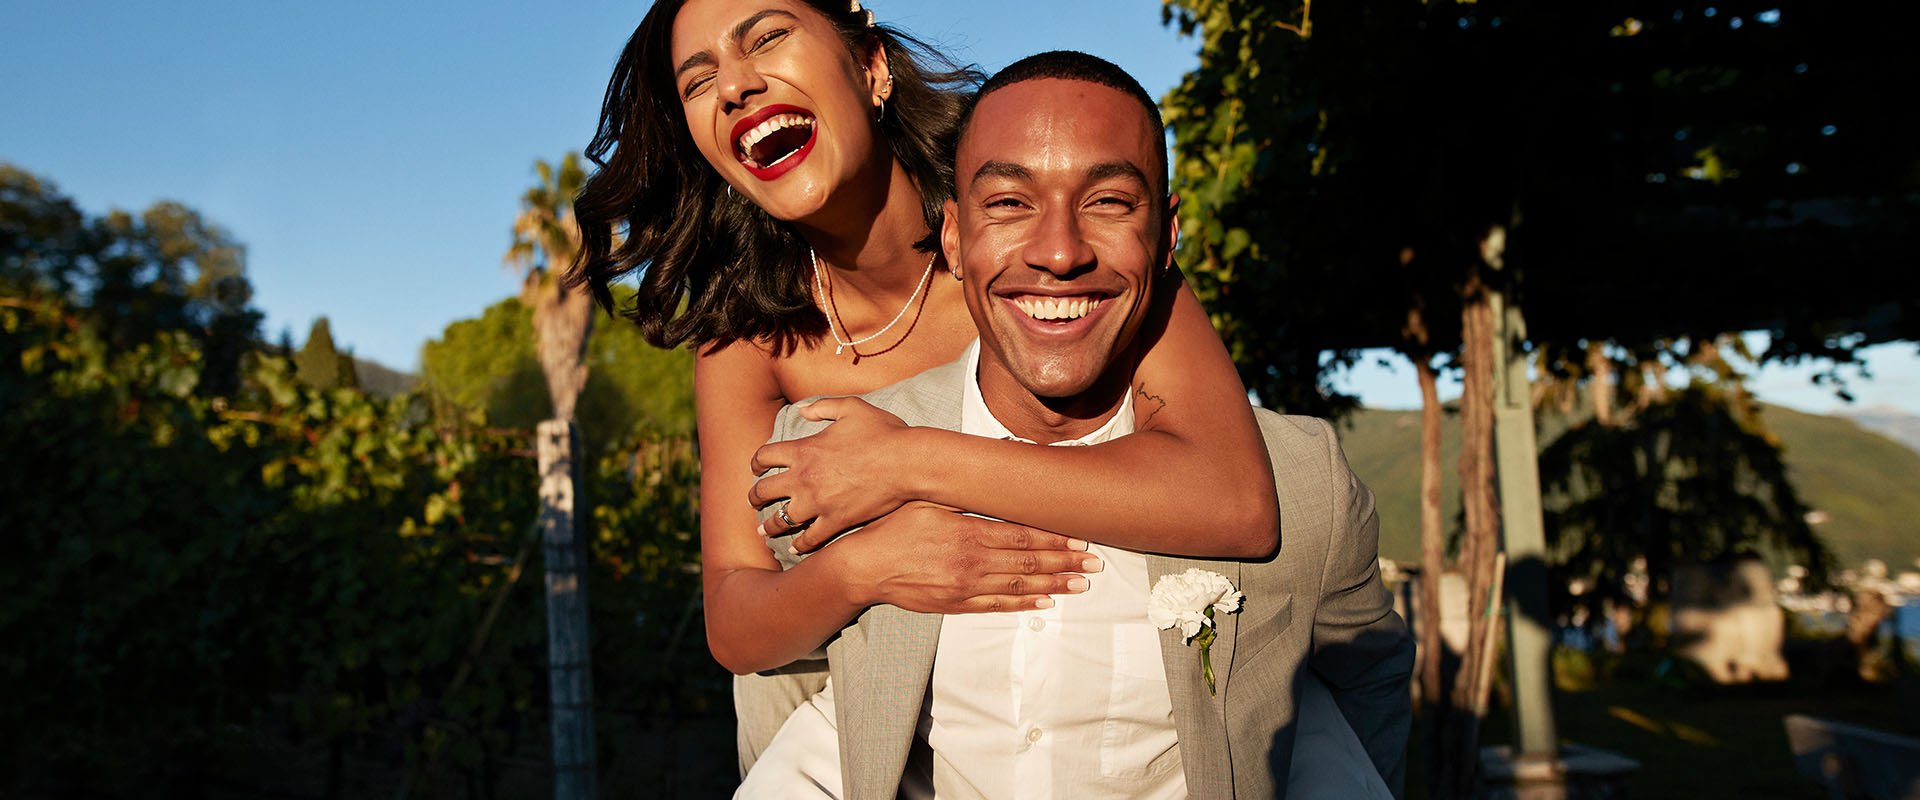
x=697 y=85
x=768 y=39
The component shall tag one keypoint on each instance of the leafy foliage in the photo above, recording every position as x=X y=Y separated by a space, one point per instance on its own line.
x=317 y=560
x=488 y=364
x=206 y=578
x=166 y=269
x=1692 y=478
x=320 y=364
x=1662 y=172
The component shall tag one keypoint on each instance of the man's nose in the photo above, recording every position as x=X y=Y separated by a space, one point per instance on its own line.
x=738 y=83
x=1058 y=244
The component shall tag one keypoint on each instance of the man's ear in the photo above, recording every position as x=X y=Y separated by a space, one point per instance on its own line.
x=1173 y=229
x=950 y=236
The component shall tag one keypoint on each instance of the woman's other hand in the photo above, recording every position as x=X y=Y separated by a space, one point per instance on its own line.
x=852 y=472
x=933 y=559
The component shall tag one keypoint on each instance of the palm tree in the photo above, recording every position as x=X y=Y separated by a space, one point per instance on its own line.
x=545 y=240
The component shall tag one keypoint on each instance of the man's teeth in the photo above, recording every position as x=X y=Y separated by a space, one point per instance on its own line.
x=763 y=130
x=1056 y=307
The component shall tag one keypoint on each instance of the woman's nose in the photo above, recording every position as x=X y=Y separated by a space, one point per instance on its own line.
x=738 y=83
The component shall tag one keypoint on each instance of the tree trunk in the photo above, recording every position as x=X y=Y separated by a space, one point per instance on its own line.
x=1433 y=543
x=1478 y=550
x=1433 y=556
x=569 y=653
x=1600 y=383
x=561 y=322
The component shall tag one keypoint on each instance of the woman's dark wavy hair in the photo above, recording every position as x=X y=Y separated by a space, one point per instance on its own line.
x=714 y=267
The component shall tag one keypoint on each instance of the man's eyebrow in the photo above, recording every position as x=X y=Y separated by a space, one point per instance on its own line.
x=1001 y=169
x=739 y=32
x=1117 y=169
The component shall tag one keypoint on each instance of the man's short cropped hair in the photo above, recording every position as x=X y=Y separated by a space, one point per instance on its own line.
x=1075 y=66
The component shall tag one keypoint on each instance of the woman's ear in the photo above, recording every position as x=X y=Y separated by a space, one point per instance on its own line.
x=879 y=73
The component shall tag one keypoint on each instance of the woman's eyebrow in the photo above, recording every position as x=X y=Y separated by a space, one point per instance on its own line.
x=704 y=58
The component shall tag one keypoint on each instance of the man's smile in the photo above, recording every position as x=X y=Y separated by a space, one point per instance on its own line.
x=1044 y=307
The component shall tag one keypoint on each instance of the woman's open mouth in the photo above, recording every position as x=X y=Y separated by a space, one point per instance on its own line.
x=773 y=140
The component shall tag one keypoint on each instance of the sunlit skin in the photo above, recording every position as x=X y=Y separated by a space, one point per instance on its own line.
x=742 y=63
x=733 y=61
x=1056 y=215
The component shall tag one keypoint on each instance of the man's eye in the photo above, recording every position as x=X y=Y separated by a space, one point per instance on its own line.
x=1004 y=202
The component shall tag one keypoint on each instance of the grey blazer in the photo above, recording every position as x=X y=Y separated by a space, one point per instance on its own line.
x=1317 y=604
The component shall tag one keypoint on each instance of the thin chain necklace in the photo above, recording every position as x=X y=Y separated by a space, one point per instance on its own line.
x=833 y=312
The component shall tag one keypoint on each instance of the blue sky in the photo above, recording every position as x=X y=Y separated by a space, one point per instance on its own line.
x=371 y=155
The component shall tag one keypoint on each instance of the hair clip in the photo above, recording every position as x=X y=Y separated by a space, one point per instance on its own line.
x=853 y=7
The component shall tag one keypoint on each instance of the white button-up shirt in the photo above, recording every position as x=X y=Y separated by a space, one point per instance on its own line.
x=1069 y=701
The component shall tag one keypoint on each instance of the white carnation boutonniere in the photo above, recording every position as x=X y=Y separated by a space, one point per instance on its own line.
x=1190 y=600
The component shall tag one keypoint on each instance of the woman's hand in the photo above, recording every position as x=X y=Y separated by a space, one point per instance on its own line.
x=935 y=560
x=851 y=473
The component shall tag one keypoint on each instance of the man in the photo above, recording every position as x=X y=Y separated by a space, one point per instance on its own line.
x=1060 y=231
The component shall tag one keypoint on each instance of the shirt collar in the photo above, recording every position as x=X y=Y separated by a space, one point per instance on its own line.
x=978 y=420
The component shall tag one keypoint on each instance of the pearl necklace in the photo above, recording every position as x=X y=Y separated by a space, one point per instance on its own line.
x=833 y=312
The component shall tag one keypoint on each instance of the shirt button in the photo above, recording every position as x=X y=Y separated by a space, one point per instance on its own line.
x=1036 y=623
x=1034 y=735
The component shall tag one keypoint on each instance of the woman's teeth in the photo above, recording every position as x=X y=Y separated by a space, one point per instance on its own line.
x=772 y=125
x=1054 y=308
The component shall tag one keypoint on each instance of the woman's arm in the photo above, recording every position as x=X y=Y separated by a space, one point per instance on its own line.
x=1194 y=480
x=921 y=558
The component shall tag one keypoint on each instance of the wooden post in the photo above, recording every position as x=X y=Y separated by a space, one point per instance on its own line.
x=569 y=648
x=1523 y=537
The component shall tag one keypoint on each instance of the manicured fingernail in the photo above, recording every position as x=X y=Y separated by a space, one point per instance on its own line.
x=1076 y=584
x=1092 y=564
x=1076 y=544
x=1044 y=602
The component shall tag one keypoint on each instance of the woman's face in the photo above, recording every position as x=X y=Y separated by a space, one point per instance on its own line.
x=774 y=101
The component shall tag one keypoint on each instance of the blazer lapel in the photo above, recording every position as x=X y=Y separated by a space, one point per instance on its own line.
x=1199 y=717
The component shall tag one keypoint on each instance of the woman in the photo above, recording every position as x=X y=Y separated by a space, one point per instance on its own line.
x=806 y=220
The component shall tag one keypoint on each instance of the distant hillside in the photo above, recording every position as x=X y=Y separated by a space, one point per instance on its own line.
x=379 y=379
x=1868 y=485
x=1892 y=423
x=1384 y=449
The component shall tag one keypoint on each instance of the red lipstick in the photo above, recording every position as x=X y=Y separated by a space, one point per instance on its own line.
x=787 y=162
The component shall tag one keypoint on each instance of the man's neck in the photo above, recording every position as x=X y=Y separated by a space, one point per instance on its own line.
x=1048 y=419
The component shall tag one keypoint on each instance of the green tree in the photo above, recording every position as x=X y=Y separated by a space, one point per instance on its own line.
x=167 y=269
x=545 y=240
x=320 y=364
x=44 y=239
x=488 y=364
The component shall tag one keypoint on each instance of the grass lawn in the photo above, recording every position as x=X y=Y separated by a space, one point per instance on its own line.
x=1716 y=742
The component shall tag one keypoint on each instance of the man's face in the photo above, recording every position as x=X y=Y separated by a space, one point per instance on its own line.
x=1058 y=226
